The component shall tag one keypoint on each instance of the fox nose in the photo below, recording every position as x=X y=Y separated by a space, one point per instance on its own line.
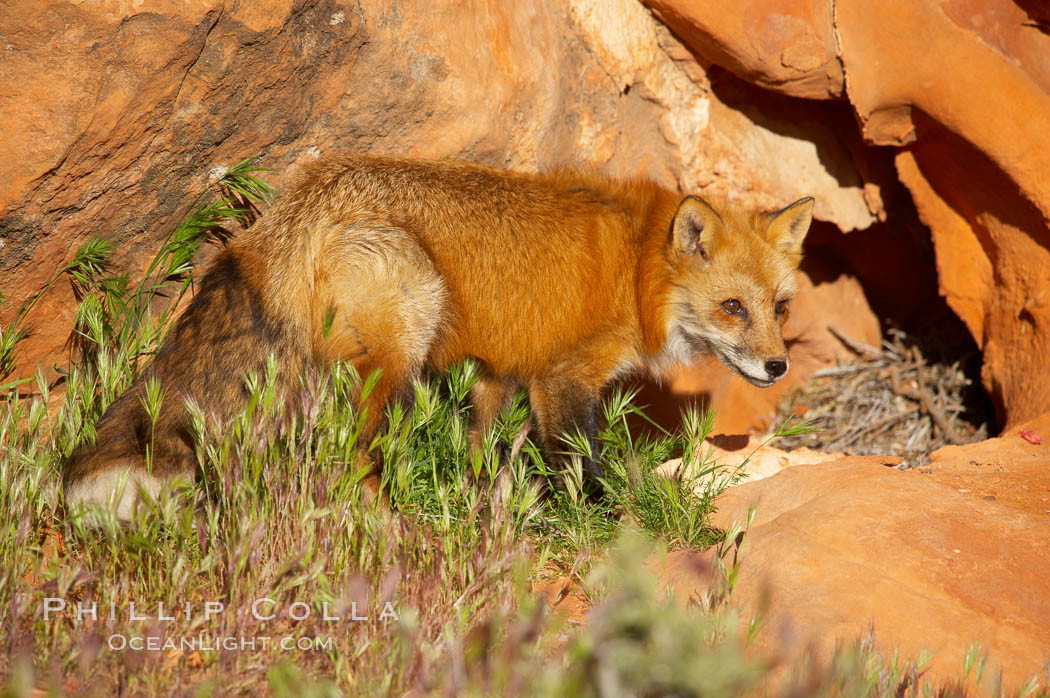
x=776 y=368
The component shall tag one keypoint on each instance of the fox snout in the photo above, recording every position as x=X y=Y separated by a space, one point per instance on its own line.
x=775 y=368
x=757 y=371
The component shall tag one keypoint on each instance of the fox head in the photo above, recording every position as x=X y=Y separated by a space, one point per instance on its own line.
x=733 y=280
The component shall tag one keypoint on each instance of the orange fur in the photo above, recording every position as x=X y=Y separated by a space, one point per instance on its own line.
x=559 y=282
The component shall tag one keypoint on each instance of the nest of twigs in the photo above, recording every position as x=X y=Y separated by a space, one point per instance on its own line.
x=889 y=401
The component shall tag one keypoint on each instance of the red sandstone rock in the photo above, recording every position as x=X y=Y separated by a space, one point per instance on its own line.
x=1009 y=470
x=949 y=73
x=992 y=250
x=746 y=460
x=786 y=46
x=965 y=85
x=932 y=561
x=976 y=78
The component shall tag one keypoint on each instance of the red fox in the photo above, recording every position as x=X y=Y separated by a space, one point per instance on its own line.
x=559 y=282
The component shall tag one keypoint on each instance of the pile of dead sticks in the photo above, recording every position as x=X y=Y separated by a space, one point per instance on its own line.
x=888 y=401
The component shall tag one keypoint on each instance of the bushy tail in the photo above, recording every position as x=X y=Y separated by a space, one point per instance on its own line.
x=225 y=332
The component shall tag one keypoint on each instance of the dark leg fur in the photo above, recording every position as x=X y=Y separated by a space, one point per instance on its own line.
x=563 y=406
x=224 y=333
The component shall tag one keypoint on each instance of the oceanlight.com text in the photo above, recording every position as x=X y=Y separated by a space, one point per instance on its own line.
x=210 y=643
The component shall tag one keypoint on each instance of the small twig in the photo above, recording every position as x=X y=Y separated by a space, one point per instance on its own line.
x=860 y=348
x=878 y=427
x=923 y=397
x=843 y=370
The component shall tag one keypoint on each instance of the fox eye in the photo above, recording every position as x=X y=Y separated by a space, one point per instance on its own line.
x=781 y=307
x=732 y=306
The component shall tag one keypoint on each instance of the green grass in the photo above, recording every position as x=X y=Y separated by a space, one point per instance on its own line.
x=280 y=515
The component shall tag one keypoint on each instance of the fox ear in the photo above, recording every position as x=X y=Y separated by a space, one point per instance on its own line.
x=788 y=226
x=693 y=224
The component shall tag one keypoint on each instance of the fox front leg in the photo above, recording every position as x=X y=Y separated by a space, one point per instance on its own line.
x=563 y=406
x=488 y=397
